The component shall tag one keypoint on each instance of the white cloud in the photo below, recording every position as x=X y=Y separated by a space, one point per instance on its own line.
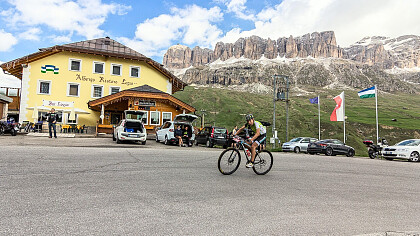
x=189 y=25
x=238 y=7
x=31 y=34
x=83 y=16
x=7 y=41
x=144 y=47
x=59 y=39
x=350 y=19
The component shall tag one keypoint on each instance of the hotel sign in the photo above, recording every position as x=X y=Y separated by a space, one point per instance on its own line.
x=143 y=103
x=102 y=80
x=57 y=103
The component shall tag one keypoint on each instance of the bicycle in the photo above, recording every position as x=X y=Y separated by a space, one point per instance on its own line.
x=28 y=127
x=230 y=159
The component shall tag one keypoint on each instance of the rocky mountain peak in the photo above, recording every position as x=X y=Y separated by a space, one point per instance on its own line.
x=385 y=52
x=177 y=57
x=315 y=45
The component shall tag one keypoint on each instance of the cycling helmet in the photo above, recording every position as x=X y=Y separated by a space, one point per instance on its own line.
x=249 y=117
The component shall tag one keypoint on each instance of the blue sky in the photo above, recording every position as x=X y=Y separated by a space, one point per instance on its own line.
x=151 y=27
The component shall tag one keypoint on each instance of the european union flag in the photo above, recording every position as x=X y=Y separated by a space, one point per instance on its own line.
x=314 y=100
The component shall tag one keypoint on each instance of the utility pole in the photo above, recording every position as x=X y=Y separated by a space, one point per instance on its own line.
x=202 y=118
x=287 y=107
x=274 y=109
x=283 y=97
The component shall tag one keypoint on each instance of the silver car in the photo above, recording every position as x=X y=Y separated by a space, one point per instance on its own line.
x=297 y=145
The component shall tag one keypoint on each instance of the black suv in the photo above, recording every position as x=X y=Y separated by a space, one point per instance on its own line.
x=211 y=136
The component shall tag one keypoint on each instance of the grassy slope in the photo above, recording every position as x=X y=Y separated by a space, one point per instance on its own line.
x=227 y=108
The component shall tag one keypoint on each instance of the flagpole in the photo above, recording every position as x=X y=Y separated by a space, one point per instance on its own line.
x=344 y=122
x=319 y=119
x=376 y=106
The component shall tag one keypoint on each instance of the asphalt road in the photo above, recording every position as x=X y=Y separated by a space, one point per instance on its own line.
x=81 y=187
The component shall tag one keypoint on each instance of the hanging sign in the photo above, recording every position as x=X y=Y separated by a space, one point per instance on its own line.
x=144 y=103
x=57 y=103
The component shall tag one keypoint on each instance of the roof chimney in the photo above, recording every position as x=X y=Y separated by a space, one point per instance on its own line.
x=107 y=41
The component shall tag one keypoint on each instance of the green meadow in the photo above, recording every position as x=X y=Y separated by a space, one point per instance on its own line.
x=399 y=114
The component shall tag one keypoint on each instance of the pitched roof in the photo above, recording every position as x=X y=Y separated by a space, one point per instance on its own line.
x=146 y=88
x=105 y=45
x=6 y=99
x=101 y=46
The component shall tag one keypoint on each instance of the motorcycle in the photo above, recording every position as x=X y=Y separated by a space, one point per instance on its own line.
x=8 y=127
x=375 y=150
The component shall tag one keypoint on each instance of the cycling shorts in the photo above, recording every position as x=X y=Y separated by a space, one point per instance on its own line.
x=260 y=140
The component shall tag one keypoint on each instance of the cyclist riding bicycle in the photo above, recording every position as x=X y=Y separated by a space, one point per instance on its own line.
x=257 y=139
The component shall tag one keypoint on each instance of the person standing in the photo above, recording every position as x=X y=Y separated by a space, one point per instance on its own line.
x=52 y=118
x=235 y=129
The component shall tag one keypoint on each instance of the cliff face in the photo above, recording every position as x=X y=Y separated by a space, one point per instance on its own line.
x=310 y=60
x=315 y=45
x=387 y=53
x=177 y=56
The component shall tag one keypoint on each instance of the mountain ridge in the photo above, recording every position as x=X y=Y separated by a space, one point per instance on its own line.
x=310 y=60
x=385 y=52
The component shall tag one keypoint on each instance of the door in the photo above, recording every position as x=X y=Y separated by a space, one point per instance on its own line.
x=115 y=118
x=185 y=118
x=304 y=144
x=134 y=114
x=339 y=147
x=207 y=134
x=163 y=131
x=199 y=136
x=204 y=135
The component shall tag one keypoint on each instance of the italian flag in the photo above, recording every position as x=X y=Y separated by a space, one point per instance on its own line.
x=367 y=93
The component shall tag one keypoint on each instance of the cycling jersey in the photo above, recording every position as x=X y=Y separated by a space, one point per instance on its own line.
x=257 y=125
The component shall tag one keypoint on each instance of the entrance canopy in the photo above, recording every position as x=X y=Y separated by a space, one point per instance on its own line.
x=138 y=98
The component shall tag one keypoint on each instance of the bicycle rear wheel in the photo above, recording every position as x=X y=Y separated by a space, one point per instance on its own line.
x=229 y=161
x=263 y=162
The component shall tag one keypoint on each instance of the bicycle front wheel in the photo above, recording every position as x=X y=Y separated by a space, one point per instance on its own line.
x=263 y=162
x=229 y=161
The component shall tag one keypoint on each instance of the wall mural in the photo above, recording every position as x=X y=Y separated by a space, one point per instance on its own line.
x=52 y=68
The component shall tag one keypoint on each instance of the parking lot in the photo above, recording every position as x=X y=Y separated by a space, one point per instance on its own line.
x=96 y=187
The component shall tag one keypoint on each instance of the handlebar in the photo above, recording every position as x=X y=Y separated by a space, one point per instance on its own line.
x=238 y=139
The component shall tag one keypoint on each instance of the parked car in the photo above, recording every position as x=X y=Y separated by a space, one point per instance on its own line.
x=211 y=136
x=165 y=133
x=130 y=128
x=408 y=149
x=330 y=147
x=297 y=145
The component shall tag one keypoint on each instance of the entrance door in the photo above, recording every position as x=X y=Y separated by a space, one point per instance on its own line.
x=115 y=118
